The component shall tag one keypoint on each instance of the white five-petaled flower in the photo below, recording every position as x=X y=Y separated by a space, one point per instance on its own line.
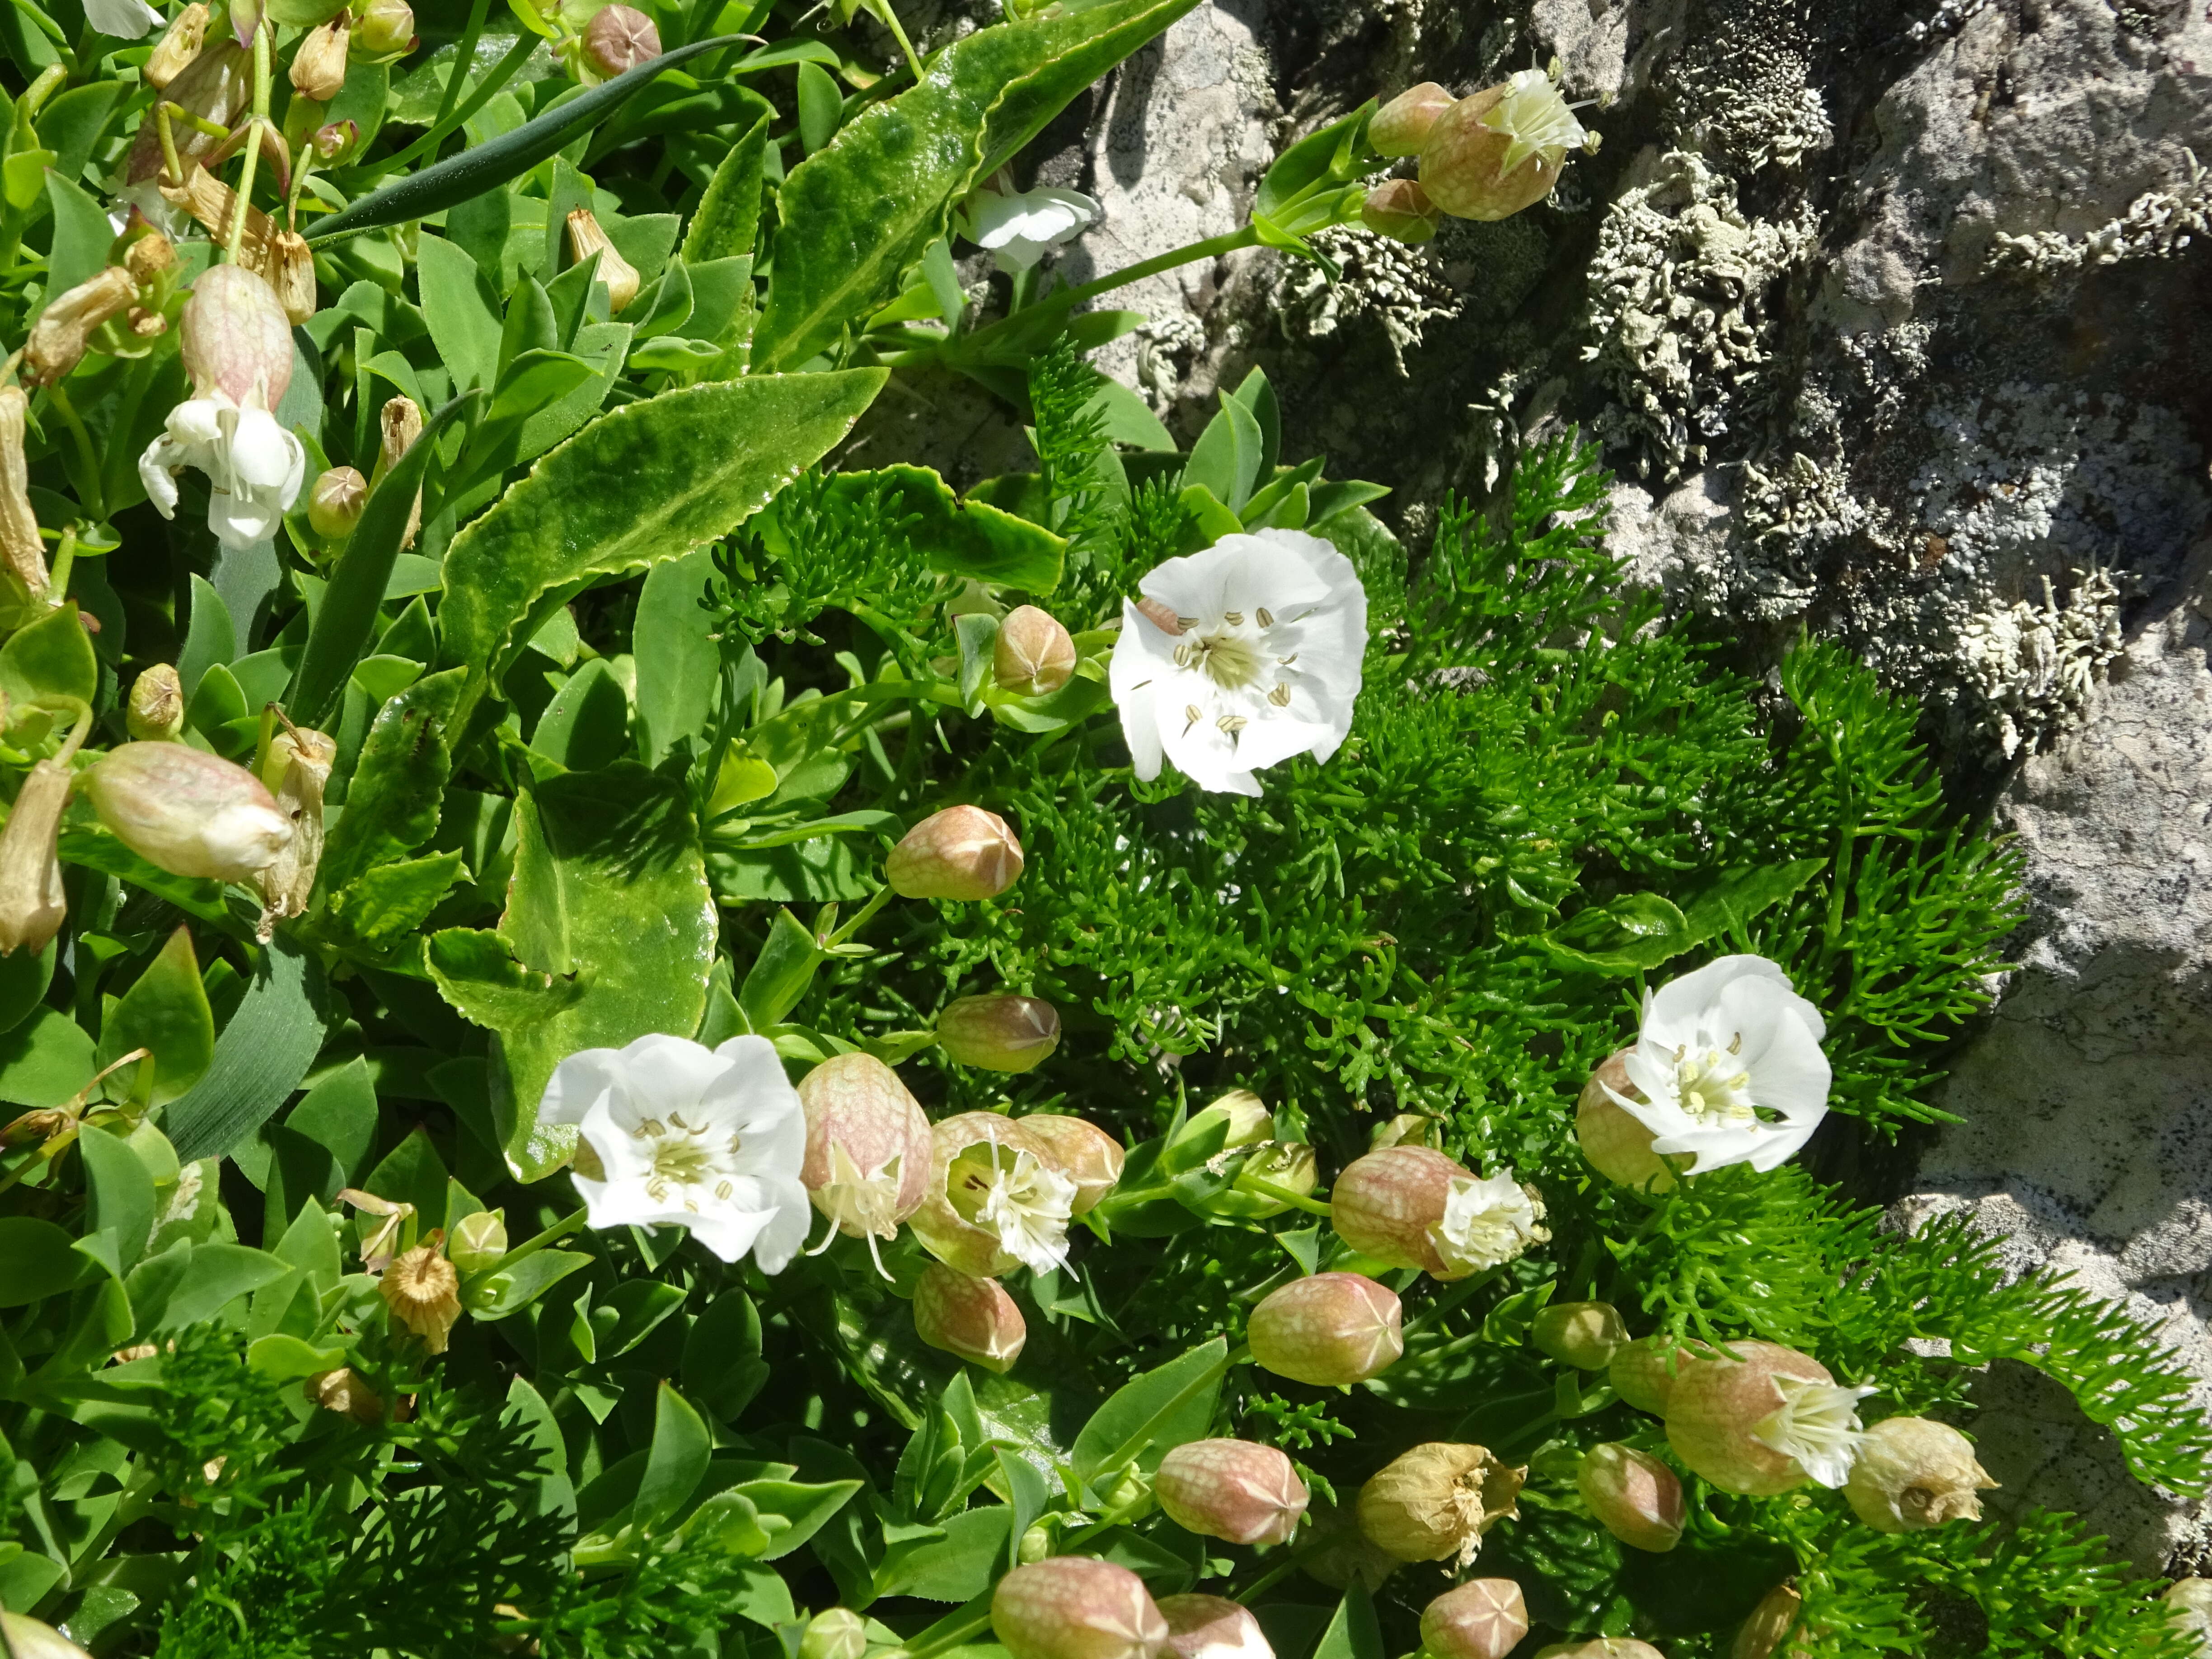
x=1021 y=227
x=1729 y=1066
x=1028 y=1205
x=254 y=466
x=1241 y=656
x=671 y=1131
x=1817 y=1423
x=122 y=20
x=1487 y=1223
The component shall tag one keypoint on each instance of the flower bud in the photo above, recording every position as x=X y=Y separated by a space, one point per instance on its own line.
x=586 y=238
x=1414 y=1207
x=1034 y=653
x=1082 y=1151
x=334 y=140
x=1336 y=1552
x=1402 y=210
x=1327 y=1329
x=423 y=1293
x=60 y=338
x=997 y=1202
x=1233 y=1490
x=1635 y=1497
x=31 y=903
x=620 y=38
x=398 y=426
x=1435 y=1502
x=867 y=1145
x=1613 y=1143
x=25 y=1637
x=1401 y=126
x=385 y=29
x=335 y=502
x=1492 y=154
x=1914 y=1473
x=1483 y=1618
x=148 y=255
x=177 y=47
x=1605 y=1647
x=343 y=1392
x=1073 y=1607
x=319 y=68
x=1245 y=1115
x=187 y=812
x=1584 y=1334
x=20 y=545
x=1762 y=1634
x=1764 y=1422
x=835 y=1633
x=961 y=853
x=237 y=340
x=478 y=1241
x=1000 y=1033
x=1643 y=1373
x=1287 y=1165
x=292 y=274
x=1406 y=1129
x=1212 y=1627
x=973 y=1318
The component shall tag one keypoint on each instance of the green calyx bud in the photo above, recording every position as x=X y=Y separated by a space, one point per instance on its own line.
x=1071 y=1607
x=1212 y=1627
x=837 y=1633
x=478 y=1241
x=972 y=1318
x=384 y=29
x=1584 y=1334
x=1491 y=156
x=1286 y=1166
x=1327 y=1329
x=1233 y=1490
x=1613 y=1143
x=999 y=1033
x=618 y=39
x=1082 y=1151
x=157 y=705
x=1914 y=1473
x=335 y=502
x=1402 y=210
x=24 y=1637
x=1759 y=1637
x=963 y=854
x=1401 y=126
x=1634 y=1496
x=1485 y=1619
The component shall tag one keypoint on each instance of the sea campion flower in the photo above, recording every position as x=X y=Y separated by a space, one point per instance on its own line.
x=1212 y=1627
x=997 y=1199
x=1414 y=1207
x=1491 y=156
x=1020 y=227
x=868 y=1148
x=1635 y=1497
x=1082 y=1151
x=1764 y=1421
x=1072 y=1606
x=972 y=1318
x=1235 y=1490
x=189 y=812
x=673 y=1132
x=1327 y=1329
x=1584 y=1334
x=1484 y=1619
x=962 y=852
x=1262 y=661
x=1728 y=1066
x=124 y=20
x=835 y=1633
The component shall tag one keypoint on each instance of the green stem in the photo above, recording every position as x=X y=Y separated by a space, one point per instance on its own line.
x=881 y=897
x=94 y=502
x=252 y=143
x=553 y=1235
x=1450 y=1299
x=889 y=19
x=1213 y=248
x=973 y=1624
x=1252 y=1183
x=462 y=59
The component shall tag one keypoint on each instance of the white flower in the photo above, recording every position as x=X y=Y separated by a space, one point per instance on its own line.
x=254 y=466
x=1262 y=662
x=1028 y=1206
x=1020 y=227
x=123 y=20
x=1729 y=1066
x=1488 y=1223
x=674 y=1133
x=1817 y=1423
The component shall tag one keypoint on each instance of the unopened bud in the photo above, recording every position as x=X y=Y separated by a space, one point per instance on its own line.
x=237 y=340
x=423 y=1293
x=1082 y=1151
x=1402 y=210
x=1327 y=1329
x=1760 y=1636
x=1401 y=126
x=292 y=274
x=1212 y=1627
x=344 y=1393
x=385 y=29
x=334 y=503
x=148 y=256
x=867 y=1145
x=319 y=68
x=1406 y=1129
x=1914 y=1473
x=1584 y=1334
x=1337 y=1553
x=187 y=812
x=1435 y=1502
x=1485 y=1619
x=334 y=140
x=1492 y=154
x=1233 y=1490
x=31 y=903
x=22 y=1636
x=1764 y=1422
x=973 y=1318
x=586 y=238
x=1634 y=1496
x=1613 y=1142
x=1073 y=1607
x=1605 y=1647
x=20 y=545
x=36 y=1127
x=1414 y=1207
x=961 y=852
x=1241 y=1118
x=999 y=1033
x=297 y=746
x=59 y=338
x=1277 y=1167
x=398 y=426
x=1034 y=653
x=478 y=1241
x=1642 y=1373
x=997 y=1202
x=836 y=1633
x=620 y=38
x=177 y=47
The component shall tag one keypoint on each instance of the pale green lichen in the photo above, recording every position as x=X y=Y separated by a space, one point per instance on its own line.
x=2032 y=665
x=2158 y=224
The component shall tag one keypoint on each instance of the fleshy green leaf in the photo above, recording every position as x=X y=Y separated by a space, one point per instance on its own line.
x=1144 y=1420
x=681 y=1446
x=260 y=1057
x=52 y=658
x=167 y=1013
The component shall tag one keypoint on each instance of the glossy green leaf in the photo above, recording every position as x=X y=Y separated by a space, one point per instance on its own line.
x=509 y=1291
x=778 y=979
x=587 y=725
x=166 y=1012
x=36 y=1261
x=1145 y=1419
x=339 y=1114
x=681 y=1446
x=954 y=1566
x=462 y=311
x=24 y=977
x=283 y=1358
x=119 y=1190
x=82 y=235
x=1227 y=458
x=854 y=217
x=46 y=1060
x=821 y=107
x=727 y=220
x=384 y=906
x=52 y=658
x=259 y=1058
x=398 y=783
x=722 y=1365
x=214 y=1277
x=209 y=638
x=679 y=659
x=310 y=1244
x=412 y=1173
x=803 y=1508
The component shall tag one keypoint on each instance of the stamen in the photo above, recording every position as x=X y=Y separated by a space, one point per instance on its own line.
x=1234 y=618
x=1192 y=710
x=1232 y=724
x=1267 y=620
x=1280 y=696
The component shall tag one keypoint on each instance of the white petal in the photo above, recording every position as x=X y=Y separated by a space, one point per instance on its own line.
x=662 y=1073
x=196 y=424
x=785 y=1234
x=610 y=1129
x=124 y=20
x=1671 y=1020
x=161 y=483
x=1788 y=1071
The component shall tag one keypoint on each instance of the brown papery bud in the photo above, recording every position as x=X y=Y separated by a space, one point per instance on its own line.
x=1613 y=1143
x=1233 y=1490
x=319 y=68
x=1212 y=1627
x=999 y=1033
x=1327 y=1329
x=1635 y=1497
x=187 y=812
x=1914 y=1473
x=835 y=1633
x=342 y=1392
x=148 y=256
x=237 y=340
x=217 y=85
x=1401 y=126
x=32 y=904
x=1337 y=1553
x=59 y=338
x=1073 y=1607
x=1082 y=1151
x=423 y=1293
x=1584 y=1334
x=586 y=238
x=25 y=1637
x=1484 y=1619
x=1605 y=1647
x=292 y=274
x=867 y=1145
x=386 y=29
x=20 y=545
x=215 y=205
x=296 y=768
x=177 y=47
x=1435 y=1502
x=1763 y=1422
x=1492 y=154
x=1760 y=1634
x=1034 y=654
x=973 y=1318
x=962 y=852
x=335 y=502
x=399 y=426
x=620 y=38
x=477 y=1241
x=1402 y=210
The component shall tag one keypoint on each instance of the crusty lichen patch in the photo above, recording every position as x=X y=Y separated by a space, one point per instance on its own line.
x=2033 y=664
x=2158 y=224
x=1398 y=286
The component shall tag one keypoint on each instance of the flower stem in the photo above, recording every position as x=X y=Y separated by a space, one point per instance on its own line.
x=881 y=897
x=553 y=1235
x=254 y=143
x=1213 y=248
x=93 y=499
x=1252 y=1183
